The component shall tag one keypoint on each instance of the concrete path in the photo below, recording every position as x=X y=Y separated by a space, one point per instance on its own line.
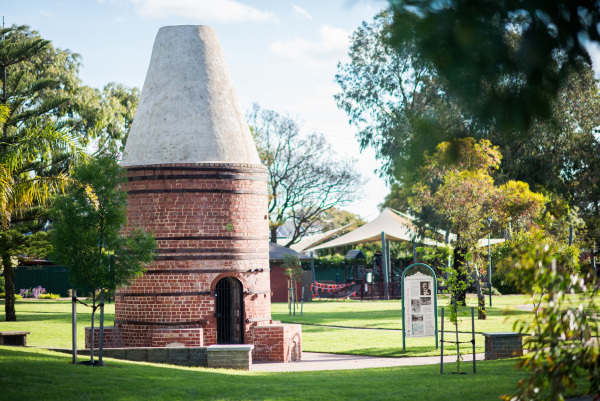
x=312 y=361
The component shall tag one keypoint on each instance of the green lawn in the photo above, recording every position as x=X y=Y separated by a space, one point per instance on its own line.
x=49 y=322
x=29 y=372
x=323 y=325
x=32 y=374
x=322 y=322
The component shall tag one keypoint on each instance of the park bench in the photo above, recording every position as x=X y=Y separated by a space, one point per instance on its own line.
x=501 y=345
x=14 y=338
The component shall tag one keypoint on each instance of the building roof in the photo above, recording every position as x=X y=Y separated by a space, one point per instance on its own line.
x=309 y=241
x=276 y=253
x=355 y=254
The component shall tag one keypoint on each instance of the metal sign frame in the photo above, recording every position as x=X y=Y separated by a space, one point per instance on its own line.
x=435 y=311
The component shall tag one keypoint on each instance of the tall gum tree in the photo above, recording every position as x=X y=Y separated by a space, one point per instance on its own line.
x=306 y=177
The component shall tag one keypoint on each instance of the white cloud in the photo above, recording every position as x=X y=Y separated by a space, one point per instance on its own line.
x=302 y=12
x=331 y=46
x=205 y=10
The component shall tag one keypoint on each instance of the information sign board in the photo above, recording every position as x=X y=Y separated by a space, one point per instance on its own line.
x=419 y=303
x=420 y=315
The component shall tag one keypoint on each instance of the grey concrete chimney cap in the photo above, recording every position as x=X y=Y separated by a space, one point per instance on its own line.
x=189 y=111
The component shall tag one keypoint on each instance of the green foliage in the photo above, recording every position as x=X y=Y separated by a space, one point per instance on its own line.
x=437 y=257
x=49 y=296
x=328 y=261
x=457 y=193
x=502 y=79
x=396 y=100
x=293 y=268
x=507 y=256
x=88 y=228
x=1 y=285
x=87 y=112
x=457 y=280
x=17 y=296
x=561 y=350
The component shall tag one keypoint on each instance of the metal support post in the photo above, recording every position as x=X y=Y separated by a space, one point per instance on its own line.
x=74 y=323
x=442 y=346
x=384 y=261
x=473 y=337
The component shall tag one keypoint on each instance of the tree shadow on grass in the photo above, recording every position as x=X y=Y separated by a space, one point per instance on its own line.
x=32 y=372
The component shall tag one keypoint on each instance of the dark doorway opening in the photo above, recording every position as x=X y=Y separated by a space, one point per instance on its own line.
x=229 y=294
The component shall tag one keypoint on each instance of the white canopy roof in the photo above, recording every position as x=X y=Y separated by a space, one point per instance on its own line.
x=396 y=228
x=316 y=239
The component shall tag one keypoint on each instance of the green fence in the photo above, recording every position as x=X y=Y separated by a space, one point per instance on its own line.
x=55 y=279
x=330 y=274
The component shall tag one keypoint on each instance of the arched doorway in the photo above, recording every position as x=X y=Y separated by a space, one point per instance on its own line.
x=229 y=294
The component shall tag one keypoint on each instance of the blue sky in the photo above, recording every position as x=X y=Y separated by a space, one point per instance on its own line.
x=281 y=54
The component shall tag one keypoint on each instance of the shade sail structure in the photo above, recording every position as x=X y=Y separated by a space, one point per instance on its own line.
x=484 y=242
x=395 y=226
x=311 y=241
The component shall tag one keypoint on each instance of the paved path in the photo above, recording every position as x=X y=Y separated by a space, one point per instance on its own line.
x=312 y=361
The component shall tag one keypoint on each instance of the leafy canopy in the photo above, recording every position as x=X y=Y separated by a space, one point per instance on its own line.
x=471 y=45
x=88 y=229
x=458 y=193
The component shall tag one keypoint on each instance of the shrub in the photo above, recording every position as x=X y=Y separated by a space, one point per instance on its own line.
x=505 y=284
x=1 y=284
x=49 y=296
x=17 y=296
x=32 y=292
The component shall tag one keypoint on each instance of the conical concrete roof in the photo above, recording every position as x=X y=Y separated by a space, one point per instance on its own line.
x=189 y=111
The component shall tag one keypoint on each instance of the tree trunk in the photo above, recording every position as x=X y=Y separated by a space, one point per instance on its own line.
x=460 y=294
x=273 y=235
x=481 y=314
x=9 y=288
x=92 y=331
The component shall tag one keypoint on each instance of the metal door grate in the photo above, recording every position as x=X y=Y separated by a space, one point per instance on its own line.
x=229 y=294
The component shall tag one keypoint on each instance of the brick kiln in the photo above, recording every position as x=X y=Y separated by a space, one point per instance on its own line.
x=196 y=181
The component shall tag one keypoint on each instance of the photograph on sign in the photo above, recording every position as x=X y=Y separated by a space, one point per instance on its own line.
x=425 y=288
x=415 y=305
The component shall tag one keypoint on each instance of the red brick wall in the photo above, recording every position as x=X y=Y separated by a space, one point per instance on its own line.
x=111 y=337
x=279 y=284
x=187 y=337
x=278 y=343
x=188 y=207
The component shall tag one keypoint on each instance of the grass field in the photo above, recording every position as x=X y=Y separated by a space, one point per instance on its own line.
x=325 y=326
x=357 y=328
x=31 y=374
x=50 y=325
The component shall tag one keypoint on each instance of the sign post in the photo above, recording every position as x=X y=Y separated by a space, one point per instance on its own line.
x=419 y=304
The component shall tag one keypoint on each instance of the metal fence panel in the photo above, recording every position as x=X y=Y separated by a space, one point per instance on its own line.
x=55 y=279
x=330 y=274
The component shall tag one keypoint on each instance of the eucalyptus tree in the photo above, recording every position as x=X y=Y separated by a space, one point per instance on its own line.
x=469 y=44
x=306 y=177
